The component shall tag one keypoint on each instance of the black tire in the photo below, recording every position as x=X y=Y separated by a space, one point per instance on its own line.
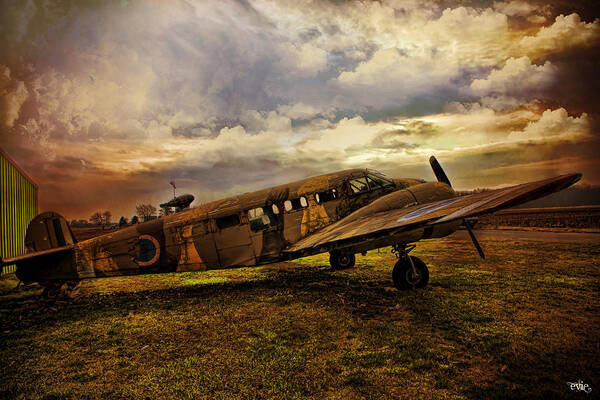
x=51 y=292
x=402 y=274
x=339 y=260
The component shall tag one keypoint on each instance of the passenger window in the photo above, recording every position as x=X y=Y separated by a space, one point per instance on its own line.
x=258 y=219
x=324 y=197
x=228 y=221
x=275 y=209
x=295 y=204
x=359 y=185
x=303 y=202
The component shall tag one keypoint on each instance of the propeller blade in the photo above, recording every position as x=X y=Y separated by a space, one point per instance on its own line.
x=469 y=224
x=439 y=171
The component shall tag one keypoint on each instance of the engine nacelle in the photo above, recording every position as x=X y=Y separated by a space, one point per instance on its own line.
x=413 y=195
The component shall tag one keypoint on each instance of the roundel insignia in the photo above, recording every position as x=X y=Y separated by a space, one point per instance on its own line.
x=148 y=251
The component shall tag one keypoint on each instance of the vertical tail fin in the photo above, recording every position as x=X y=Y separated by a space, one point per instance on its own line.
x=47 y=231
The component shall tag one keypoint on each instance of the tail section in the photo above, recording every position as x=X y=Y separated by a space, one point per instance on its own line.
x=47 y=231
x=49 y=243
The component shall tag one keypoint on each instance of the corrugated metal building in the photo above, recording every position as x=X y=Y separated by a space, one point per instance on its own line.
x=18 y=206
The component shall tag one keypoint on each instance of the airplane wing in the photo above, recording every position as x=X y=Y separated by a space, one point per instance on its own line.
x=391 y=222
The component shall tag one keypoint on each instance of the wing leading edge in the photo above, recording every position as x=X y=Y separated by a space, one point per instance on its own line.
x=430 y=214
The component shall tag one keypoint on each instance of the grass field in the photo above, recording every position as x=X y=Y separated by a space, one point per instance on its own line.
x=520 y=324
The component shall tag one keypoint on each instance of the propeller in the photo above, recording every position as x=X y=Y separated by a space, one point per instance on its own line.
x=439 y=171
x=468 y=223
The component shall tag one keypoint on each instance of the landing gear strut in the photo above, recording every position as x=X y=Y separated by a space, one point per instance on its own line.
x=339 y=260
x=409 y=272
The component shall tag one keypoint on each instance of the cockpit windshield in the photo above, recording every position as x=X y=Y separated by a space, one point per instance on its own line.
x=377 y=178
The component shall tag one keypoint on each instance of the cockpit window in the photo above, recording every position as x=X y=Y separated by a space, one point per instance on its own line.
x=359 y=185
x=377 y=181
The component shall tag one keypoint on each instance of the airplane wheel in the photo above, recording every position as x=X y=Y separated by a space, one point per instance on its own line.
x=61 y=291
x=51 y=292
x=339 y=260
x=403 y=276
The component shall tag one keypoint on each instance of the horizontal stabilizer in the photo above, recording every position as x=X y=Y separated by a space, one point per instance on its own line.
x=38 y=254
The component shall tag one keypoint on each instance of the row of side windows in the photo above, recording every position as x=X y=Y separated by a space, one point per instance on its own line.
x=263 y=217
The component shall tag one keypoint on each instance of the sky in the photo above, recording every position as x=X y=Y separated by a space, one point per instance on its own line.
x=105 y=102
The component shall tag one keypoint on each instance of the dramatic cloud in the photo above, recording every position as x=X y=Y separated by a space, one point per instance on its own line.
x=12 y=96
x=555 y=125
x=112 y=100
x=515 y=8
x=517 y=77
x=566 y=32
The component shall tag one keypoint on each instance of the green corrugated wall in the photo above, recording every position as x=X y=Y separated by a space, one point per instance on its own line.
x=18 y=206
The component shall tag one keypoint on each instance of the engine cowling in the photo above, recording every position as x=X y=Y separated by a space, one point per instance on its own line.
x=413 y=195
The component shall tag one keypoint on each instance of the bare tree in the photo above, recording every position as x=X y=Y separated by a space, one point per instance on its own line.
x=122 y=222
x=107 y=215
x=145 y=211
x=164 y=211
x=96 y=218
x=134 y=220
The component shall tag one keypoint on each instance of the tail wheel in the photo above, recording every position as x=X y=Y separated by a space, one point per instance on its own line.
x=405 y=278
x=61 y=290
x=51 y=292
x=339 y=260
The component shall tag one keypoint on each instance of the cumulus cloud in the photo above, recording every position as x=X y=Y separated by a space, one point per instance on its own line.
x=515 y=8
x=555 y=125
x=566 y=32
x=13 y=94
x=518 y=76
x=303 y=60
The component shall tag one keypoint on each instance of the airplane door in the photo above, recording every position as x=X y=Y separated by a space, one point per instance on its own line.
x=193 y=245
x=292 y=218
x=232 y=239
x=265 y=231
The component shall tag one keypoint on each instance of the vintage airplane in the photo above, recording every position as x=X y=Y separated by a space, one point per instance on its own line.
x=343 y=213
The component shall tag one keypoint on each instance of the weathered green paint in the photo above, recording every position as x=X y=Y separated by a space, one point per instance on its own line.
x=18 y=206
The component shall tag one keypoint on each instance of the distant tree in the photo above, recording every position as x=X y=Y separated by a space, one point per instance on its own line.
x=122 y=222
x=164 y=211
x=107 y=215
x=134 y=220
x=96 y=218
x=145 y=211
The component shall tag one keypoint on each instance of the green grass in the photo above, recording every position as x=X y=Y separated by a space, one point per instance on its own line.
x=518 y=325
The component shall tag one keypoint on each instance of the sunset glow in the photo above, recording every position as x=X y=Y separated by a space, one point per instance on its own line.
x=105 y=102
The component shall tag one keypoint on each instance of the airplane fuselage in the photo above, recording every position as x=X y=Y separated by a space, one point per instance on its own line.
x=246 y=230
